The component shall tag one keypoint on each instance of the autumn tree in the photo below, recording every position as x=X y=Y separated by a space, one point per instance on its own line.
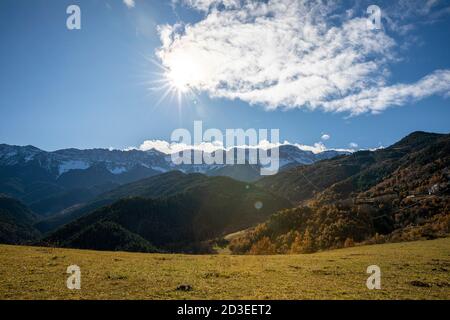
x=263 y=247
x=349 y=243
x=308 y=242
x=297 y=244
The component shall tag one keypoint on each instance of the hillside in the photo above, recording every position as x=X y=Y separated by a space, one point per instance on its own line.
x=351 y=173
x=52 y=182
x=198 y=209
x=16 y=222
x=411 y=270
x=162 y=185
x=399 y=193
x=392 y=194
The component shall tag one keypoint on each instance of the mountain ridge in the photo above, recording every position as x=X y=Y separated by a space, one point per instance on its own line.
x=50 y=182
x=400 y=193
x=390 y=194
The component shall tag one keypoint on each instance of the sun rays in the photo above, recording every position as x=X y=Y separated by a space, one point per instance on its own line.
x=174 y=83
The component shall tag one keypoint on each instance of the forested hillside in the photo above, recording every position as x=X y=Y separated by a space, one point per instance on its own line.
x=207 y=208
x=16 y=222
x=399 y=193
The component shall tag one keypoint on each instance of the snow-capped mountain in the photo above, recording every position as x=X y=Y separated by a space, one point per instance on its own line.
x=119 y=162
x=63 y=161
x=51 y=181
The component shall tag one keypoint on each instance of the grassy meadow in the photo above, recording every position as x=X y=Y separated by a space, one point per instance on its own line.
x=412 y=270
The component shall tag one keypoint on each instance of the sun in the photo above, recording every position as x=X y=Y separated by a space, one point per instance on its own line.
x=178 y=78
x=182 y=73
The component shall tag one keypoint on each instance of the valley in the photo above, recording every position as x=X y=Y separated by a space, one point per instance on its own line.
x=398 y=193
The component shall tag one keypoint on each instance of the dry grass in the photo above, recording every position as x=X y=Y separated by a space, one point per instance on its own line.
x=414 y=270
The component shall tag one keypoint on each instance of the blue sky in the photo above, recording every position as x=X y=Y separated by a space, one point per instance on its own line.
x=95 y=87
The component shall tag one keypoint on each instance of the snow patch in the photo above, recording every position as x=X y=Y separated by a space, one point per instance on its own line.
x=118 y=170
x=28 y=158
x=72 y=165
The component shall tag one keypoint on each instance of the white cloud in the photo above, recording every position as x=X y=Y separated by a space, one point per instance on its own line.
x=129 y=3
x=377 y=99
x=318 y=147
x=160 y=145
x=404 y=16
x=168 y=148
x=325 y=137
x=353 y=145
x=290 y=54
x=206 y=5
